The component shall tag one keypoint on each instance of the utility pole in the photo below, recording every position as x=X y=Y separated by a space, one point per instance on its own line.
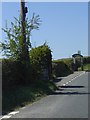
x=25 y=60
x=25 y=54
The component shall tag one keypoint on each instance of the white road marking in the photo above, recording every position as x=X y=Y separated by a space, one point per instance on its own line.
x=67 y=82
x=73 y=78
x=70 y=81
x=9 y=115
x=64 y=84
x=6 y=117
x=13 y=113
x=78 y=76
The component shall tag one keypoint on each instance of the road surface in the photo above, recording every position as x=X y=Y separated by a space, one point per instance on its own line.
x=70 y=101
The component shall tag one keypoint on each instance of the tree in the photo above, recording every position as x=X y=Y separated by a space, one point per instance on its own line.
x=15 y=48
x=12 y=45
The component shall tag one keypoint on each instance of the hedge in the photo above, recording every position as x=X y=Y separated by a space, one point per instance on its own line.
x=13 y=71
x=60 y=69
x=41 y=62
x=86 y=60
x=10 y=73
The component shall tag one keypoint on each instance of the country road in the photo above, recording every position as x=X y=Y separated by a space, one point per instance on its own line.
x=70 y=101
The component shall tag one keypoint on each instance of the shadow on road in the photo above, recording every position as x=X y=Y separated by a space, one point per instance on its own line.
x=71 y=86
x=57 y=80
x=69 y=90
x=70 y=93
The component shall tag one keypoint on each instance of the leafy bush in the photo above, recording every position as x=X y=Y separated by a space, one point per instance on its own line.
x=60 y=69
x=41 y=61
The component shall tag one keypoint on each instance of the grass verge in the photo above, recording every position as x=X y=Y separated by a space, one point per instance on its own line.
x=86 y=67
x=19 y=96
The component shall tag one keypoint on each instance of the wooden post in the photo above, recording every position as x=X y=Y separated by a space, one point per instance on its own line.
x=25 y=60
x=25 y=54
x=23 y=41
x=23 y=10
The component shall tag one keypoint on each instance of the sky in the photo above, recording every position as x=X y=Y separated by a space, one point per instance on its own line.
x=64 y=25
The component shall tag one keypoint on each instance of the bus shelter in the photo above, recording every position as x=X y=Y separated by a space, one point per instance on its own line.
x=77 y=61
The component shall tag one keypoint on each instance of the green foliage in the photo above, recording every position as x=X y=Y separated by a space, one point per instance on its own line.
x=10 y=73
x=14 y=73
x=86 y=60
x=68 y=62
x=17 y=45
x=86 y=67
x=41 y=59
x=14 y=44
x=61 y=68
